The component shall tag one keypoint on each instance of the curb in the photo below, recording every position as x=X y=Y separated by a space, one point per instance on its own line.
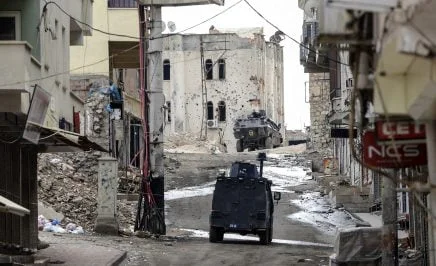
x=117 y=261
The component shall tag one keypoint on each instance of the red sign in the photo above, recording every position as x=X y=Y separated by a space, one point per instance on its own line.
x=400 y=130
x=389 y=156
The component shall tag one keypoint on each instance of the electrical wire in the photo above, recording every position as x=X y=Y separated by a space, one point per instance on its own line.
x=135 y=37
x=293 y=39
x=71 y=70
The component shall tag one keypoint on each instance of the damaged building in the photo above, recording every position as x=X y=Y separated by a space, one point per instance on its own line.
x=212 y=79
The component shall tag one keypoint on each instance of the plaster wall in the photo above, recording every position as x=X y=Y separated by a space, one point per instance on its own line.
x=253 y=71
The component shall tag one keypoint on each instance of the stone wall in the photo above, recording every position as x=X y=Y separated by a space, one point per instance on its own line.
x=319 y=133
x=97 y=117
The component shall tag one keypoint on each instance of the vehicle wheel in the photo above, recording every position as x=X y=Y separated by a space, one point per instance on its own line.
x=268 y=143
x=270 y=235
x=264 y=237
x=213 y=234
x=239 y=147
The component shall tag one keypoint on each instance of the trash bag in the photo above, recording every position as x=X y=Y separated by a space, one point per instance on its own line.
x=58 y=229
x=71 y=227
x=78 y=230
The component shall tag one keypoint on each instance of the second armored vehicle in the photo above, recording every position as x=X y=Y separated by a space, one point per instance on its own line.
x=257 y=132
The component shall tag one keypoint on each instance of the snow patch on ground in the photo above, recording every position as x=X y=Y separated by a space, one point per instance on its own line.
x=204 y=234
x=282 y=178
x=188 y=192
x=318 y=212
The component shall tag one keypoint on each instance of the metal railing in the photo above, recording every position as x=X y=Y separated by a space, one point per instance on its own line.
x=122 y=4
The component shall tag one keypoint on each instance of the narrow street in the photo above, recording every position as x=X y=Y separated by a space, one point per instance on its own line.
x=304 y=222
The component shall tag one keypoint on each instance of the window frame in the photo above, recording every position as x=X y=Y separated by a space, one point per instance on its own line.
x=17 y=16
x=209 y=108
x=208 y=74
x=222 y=111
x=166 y=68
x=221 y=69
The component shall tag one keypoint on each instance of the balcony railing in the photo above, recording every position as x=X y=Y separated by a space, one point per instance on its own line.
x=122 y=4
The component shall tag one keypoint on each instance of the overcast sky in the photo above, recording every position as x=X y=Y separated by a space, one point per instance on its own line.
x=284 y=14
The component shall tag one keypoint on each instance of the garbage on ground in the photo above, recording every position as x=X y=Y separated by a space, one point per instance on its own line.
x=53 y=225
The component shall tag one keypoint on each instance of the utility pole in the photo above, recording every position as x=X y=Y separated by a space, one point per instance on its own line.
x=431 y=158
x=156 y=115
x=152 y=217
x=203 y=91
x=389 y=217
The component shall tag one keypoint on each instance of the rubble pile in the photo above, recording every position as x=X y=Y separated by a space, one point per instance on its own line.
x=189 y=143
x=67 y=182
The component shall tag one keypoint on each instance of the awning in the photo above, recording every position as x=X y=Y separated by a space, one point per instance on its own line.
x=58 y=140
x=11 y=207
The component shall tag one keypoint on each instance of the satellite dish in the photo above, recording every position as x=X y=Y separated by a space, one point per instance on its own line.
x=171 y=26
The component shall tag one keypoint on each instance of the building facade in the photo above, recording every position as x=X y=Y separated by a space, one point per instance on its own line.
x=39 y=111
x=112 y=57
x=212 y=79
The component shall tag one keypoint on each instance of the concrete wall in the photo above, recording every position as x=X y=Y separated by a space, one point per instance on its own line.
x=48 y=55
x=96 y=47
x=254 y=70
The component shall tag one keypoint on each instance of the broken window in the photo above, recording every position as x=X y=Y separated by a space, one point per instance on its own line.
x=209 y=69
x=9 y=26
x=222 y=69
x=209 y=111
x=168 y=111
x=166 y=69
x=222 y=111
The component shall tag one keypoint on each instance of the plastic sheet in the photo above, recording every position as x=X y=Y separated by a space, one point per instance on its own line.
x=358 y=244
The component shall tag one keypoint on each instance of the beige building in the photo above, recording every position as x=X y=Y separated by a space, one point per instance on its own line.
x=253 y=70
x=244 y=68
x=38 y=109
x=34 y=47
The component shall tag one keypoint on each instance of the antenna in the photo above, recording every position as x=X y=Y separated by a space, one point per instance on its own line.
x=171 y=26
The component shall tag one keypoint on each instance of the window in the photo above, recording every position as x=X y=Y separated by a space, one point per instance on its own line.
x=166 y=69
x=10 y=28
x=222 y=111
x=309 y=31
x=168 y=111
x=209 y=69
x=209 y=111
x=122 y=4
x=222 y=69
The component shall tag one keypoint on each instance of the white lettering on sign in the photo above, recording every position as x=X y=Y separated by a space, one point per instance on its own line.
x=401 y=128
x=407 y=151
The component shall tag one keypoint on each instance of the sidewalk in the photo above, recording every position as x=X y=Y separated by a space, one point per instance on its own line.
x=73 y=252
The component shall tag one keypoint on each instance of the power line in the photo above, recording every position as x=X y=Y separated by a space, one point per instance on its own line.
x=299 y=43
x=73 y=69
x=135 y=37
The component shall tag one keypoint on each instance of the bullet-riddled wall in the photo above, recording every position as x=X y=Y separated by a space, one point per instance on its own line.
x=253 y=70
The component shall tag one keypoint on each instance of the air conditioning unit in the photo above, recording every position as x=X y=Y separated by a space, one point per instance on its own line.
x=365 y=5
x=212 y=123
x=332 y=24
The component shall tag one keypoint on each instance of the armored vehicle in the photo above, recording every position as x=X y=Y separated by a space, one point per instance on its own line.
x=256 y=131
x=243 y=203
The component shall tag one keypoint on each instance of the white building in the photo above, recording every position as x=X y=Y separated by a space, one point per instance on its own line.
x=244 y=67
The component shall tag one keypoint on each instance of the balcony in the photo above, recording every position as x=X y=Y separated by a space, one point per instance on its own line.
x=18 y=65
x=310 y=57
x=122 y=4
x=82 y=11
